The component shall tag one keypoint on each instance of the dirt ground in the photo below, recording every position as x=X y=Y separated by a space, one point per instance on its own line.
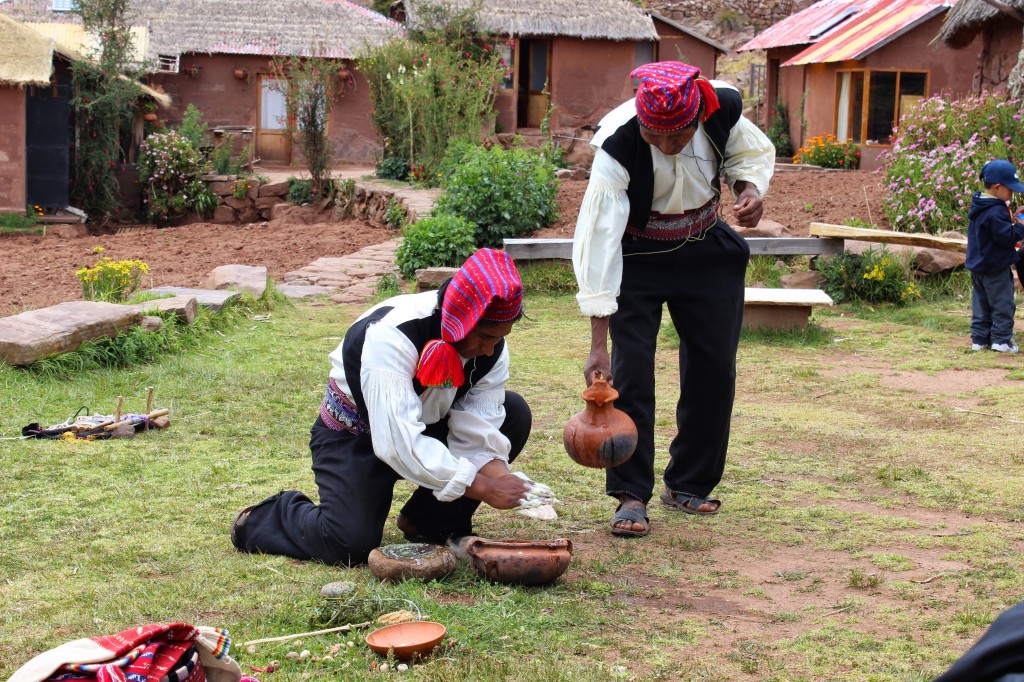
x=38 y=271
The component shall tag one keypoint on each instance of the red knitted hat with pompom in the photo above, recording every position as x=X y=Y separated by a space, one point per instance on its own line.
x=671 y=95
x=486 y=288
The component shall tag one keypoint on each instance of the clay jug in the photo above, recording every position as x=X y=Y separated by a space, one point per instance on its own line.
x=600 y=436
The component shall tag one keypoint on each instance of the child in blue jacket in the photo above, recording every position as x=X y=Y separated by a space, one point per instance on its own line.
x=992 y=235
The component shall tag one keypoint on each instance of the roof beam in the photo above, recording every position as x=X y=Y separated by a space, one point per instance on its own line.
x=1006 y=9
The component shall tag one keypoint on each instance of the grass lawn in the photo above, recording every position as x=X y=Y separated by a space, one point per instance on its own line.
x=871 y=526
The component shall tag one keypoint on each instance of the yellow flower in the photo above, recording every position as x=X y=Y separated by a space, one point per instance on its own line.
x=98 y=249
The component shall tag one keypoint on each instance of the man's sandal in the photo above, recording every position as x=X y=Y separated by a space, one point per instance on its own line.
x=634 y=515
x=690 y=504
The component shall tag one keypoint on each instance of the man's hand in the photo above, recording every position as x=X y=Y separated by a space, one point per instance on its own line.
x=501 y=492
x=749 y=206
x=598 y=360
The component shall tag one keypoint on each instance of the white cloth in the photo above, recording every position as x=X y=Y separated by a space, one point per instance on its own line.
x=681 y=182
x=398 y=416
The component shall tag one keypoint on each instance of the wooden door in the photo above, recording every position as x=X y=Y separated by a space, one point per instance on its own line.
x=538 y=73
x=273 y=144
x=47 y=164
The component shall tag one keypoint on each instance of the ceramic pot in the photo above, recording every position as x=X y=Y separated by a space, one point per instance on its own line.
x=600 y=436
x=520 y=562
x=407 y=641
x=411 y=560
x=149 y=116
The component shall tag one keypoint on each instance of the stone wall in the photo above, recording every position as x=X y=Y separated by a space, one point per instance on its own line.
x=758 y=13
x=269 y=201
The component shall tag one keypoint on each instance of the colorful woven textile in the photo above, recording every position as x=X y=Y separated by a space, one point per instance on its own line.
x=671 y=95
x=486 y=288
x=163 y=652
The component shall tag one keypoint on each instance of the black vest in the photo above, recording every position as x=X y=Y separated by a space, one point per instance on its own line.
x=418 y=331
x=627 y=147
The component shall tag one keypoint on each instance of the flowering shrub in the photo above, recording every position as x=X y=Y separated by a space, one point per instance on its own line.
x=171 y=168
x=875 y=276
x=828 y=152
x=111 y=280
x=937 y=154
x=506 y=192
x=241 y=188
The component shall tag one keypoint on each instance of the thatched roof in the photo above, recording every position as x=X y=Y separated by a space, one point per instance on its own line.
x=329 y=28
x=333 y=28
x=589 y=19
x=26 y=58
x=719 y=47
x=968 y=18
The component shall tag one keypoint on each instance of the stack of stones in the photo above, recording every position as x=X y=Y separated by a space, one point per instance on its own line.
x=257 y=204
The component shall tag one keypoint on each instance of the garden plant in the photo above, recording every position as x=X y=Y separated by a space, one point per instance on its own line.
x=829 y=152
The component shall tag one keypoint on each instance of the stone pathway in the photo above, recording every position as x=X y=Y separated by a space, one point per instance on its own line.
x=352 y=279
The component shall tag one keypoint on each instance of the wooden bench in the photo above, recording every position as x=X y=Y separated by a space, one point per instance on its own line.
x=762 y=309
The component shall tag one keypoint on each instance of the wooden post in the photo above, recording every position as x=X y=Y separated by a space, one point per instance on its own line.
x=117 y=410
x=149 y=404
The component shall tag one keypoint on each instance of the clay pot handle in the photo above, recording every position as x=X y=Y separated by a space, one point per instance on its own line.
x=600 y=391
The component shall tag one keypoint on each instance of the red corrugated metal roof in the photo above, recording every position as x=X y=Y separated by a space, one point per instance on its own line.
x=869 y=30
x=798 y=29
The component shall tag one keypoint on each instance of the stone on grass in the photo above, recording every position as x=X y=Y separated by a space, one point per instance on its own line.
x=251 y=278
x=338 y=589
x=208 y=298
x=37 y=334
x=185 y=308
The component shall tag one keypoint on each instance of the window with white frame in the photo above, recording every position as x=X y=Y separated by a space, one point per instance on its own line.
x=168 y=63
x=870 y=103
x=63 y=5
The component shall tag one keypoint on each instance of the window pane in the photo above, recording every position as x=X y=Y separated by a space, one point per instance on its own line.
x=538 y=66
x=856 y=106
x=912 y=83
x=881 y=107
x=273 y=104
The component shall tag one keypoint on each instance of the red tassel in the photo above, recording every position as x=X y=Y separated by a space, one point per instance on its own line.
x=707 y=91
x=440 y=366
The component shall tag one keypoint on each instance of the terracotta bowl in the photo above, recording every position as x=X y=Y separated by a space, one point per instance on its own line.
x=408 y=640
x=520 y=562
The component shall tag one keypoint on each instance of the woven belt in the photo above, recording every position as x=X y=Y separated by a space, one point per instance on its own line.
x=339 y=413
x=689 y=225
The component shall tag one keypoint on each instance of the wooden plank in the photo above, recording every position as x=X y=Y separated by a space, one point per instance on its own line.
x=782 y=246
x=537 y=249
x=785 y=297
x=888 y=237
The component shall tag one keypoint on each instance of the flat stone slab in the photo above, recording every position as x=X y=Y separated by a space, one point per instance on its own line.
x=185 y=308
x=209 y=299
x=304 y=290
x=251 y=278
x=31 y=336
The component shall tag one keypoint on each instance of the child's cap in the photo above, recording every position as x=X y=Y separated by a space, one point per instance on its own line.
x=1003 y=173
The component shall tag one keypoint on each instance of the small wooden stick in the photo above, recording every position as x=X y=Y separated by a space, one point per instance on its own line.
x=283 y=638
x=149 y=404
x=117 y=410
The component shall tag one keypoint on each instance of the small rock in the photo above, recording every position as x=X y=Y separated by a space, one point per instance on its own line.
x=305 y=653
x=251 y=648
x=337 y=589
x=292 y=654
x=297 y=643
x=402 y=667
x=384 y=667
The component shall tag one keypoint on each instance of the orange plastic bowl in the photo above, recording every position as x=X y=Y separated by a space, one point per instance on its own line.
x=408 y=640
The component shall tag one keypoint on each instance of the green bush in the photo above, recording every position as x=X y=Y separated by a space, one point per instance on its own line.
x=875 y=276
x=442 y=240
x=171 y=170
x=937 y=154
x=299 y=191
x=193 y=128
x=507 y=193
x=778 y=131
x=393 y=168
